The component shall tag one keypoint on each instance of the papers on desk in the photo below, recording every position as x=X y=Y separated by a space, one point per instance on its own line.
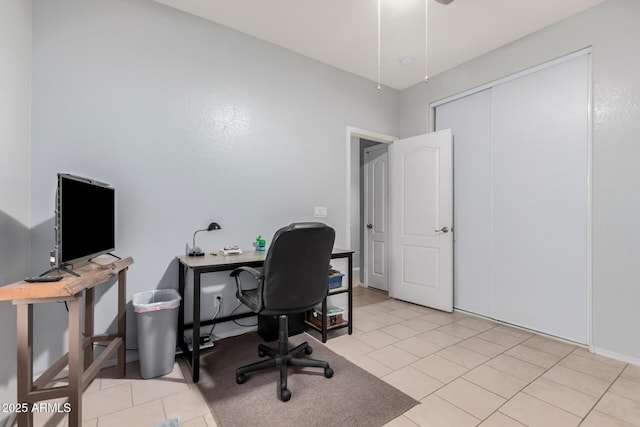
x=233 y=250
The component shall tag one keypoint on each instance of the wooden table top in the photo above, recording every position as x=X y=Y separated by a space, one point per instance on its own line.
x=91 y=273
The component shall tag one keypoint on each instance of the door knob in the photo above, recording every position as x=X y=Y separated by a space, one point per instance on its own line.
x=444 y=229
x=369 y=226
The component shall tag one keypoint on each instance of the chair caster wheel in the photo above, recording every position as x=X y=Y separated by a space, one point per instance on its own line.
x=285 y=395
x=241 y=378
x=308 y=351
x=328 y=372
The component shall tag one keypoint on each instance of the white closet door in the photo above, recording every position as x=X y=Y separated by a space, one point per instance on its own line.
x=521 y=199
x=540 y=200
x=470 y=120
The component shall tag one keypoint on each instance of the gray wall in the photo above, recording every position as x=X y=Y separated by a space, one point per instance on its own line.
x=191 y=122
x=413 y=109
x=15 y=97
x=612 y=30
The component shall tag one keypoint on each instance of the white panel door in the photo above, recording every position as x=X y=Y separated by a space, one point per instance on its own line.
x=540 y=200
x=421 y=208
x=377 y=218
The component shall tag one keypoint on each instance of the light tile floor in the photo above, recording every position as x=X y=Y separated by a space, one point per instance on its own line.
x=464 y=370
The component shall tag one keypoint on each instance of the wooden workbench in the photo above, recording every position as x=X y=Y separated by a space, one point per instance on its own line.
x=79 y=359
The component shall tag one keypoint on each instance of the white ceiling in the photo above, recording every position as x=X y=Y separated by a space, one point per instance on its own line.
x=343 y=33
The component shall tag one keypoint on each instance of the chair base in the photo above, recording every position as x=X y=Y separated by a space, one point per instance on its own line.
x=282 y=359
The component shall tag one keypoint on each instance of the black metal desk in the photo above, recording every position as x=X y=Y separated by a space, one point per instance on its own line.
x=217 y=263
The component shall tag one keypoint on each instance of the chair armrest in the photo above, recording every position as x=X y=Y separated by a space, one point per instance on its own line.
x=240 y=292
x=257 y=275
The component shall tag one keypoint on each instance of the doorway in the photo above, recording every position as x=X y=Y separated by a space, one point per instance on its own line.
x=375 y=208
x=418 y=259
x=356 y=141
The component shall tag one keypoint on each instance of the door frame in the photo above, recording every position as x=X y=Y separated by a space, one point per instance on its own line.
x=353 y=136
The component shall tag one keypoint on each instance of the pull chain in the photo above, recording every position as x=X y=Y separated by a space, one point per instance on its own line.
x=426 y=40
x=379 y=73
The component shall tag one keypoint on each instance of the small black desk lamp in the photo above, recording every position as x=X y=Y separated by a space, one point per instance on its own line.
x=195 y=251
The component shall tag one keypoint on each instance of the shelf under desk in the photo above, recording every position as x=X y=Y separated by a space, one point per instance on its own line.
x=216 y=263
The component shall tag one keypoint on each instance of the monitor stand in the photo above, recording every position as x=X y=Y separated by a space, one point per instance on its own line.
x=108 y=253
x=63 y=268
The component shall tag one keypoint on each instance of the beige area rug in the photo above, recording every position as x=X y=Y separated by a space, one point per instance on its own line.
x=352 y=397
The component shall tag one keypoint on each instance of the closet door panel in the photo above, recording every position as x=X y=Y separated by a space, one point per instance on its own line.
x=540 y=200
x=470 y=120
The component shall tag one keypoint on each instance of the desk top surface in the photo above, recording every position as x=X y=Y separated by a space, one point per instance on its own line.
x=91 y=274
x=246 y=257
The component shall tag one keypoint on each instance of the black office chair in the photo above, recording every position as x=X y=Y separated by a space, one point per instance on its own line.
x=293 y=280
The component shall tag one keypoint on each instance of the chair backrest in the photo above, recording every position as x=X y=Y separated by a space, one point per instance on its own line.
x=296 y=268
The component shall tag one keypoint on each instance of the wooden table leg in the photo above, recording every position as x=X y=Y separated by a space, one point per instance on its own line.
x=75 y=362
x=122 y=320
x=25 y=362
x=88 y=325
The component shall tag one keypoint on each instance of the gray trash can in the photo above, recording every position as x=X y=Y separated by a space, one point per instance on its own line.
x=157 y=320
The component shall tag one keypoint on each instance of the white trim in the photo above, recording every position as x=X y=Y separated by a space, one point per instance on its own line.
x=520 y=328
x=353 y=132
x=581 y=52
x=370 y=135
x=590 y=201
x=431 y=118
x=613 y=355
x=364 y=187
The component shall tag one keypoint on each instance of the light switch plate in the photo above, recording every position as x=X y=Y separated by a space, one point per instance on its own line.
x=320 y=212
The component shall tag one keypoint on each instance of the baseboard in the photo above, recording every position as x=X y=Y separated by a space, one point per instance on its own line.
x=595 y=350
x=613 y=355
x=522 y=328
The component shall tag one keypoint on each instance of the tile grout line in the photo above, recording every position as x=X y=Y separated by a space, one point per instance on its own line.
x=491 y=358
x=523 y=342
x=119 y=410
x=527 y=385
x=460 y=376
x=603 y=394
x=478 y=332
x=547 y=370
